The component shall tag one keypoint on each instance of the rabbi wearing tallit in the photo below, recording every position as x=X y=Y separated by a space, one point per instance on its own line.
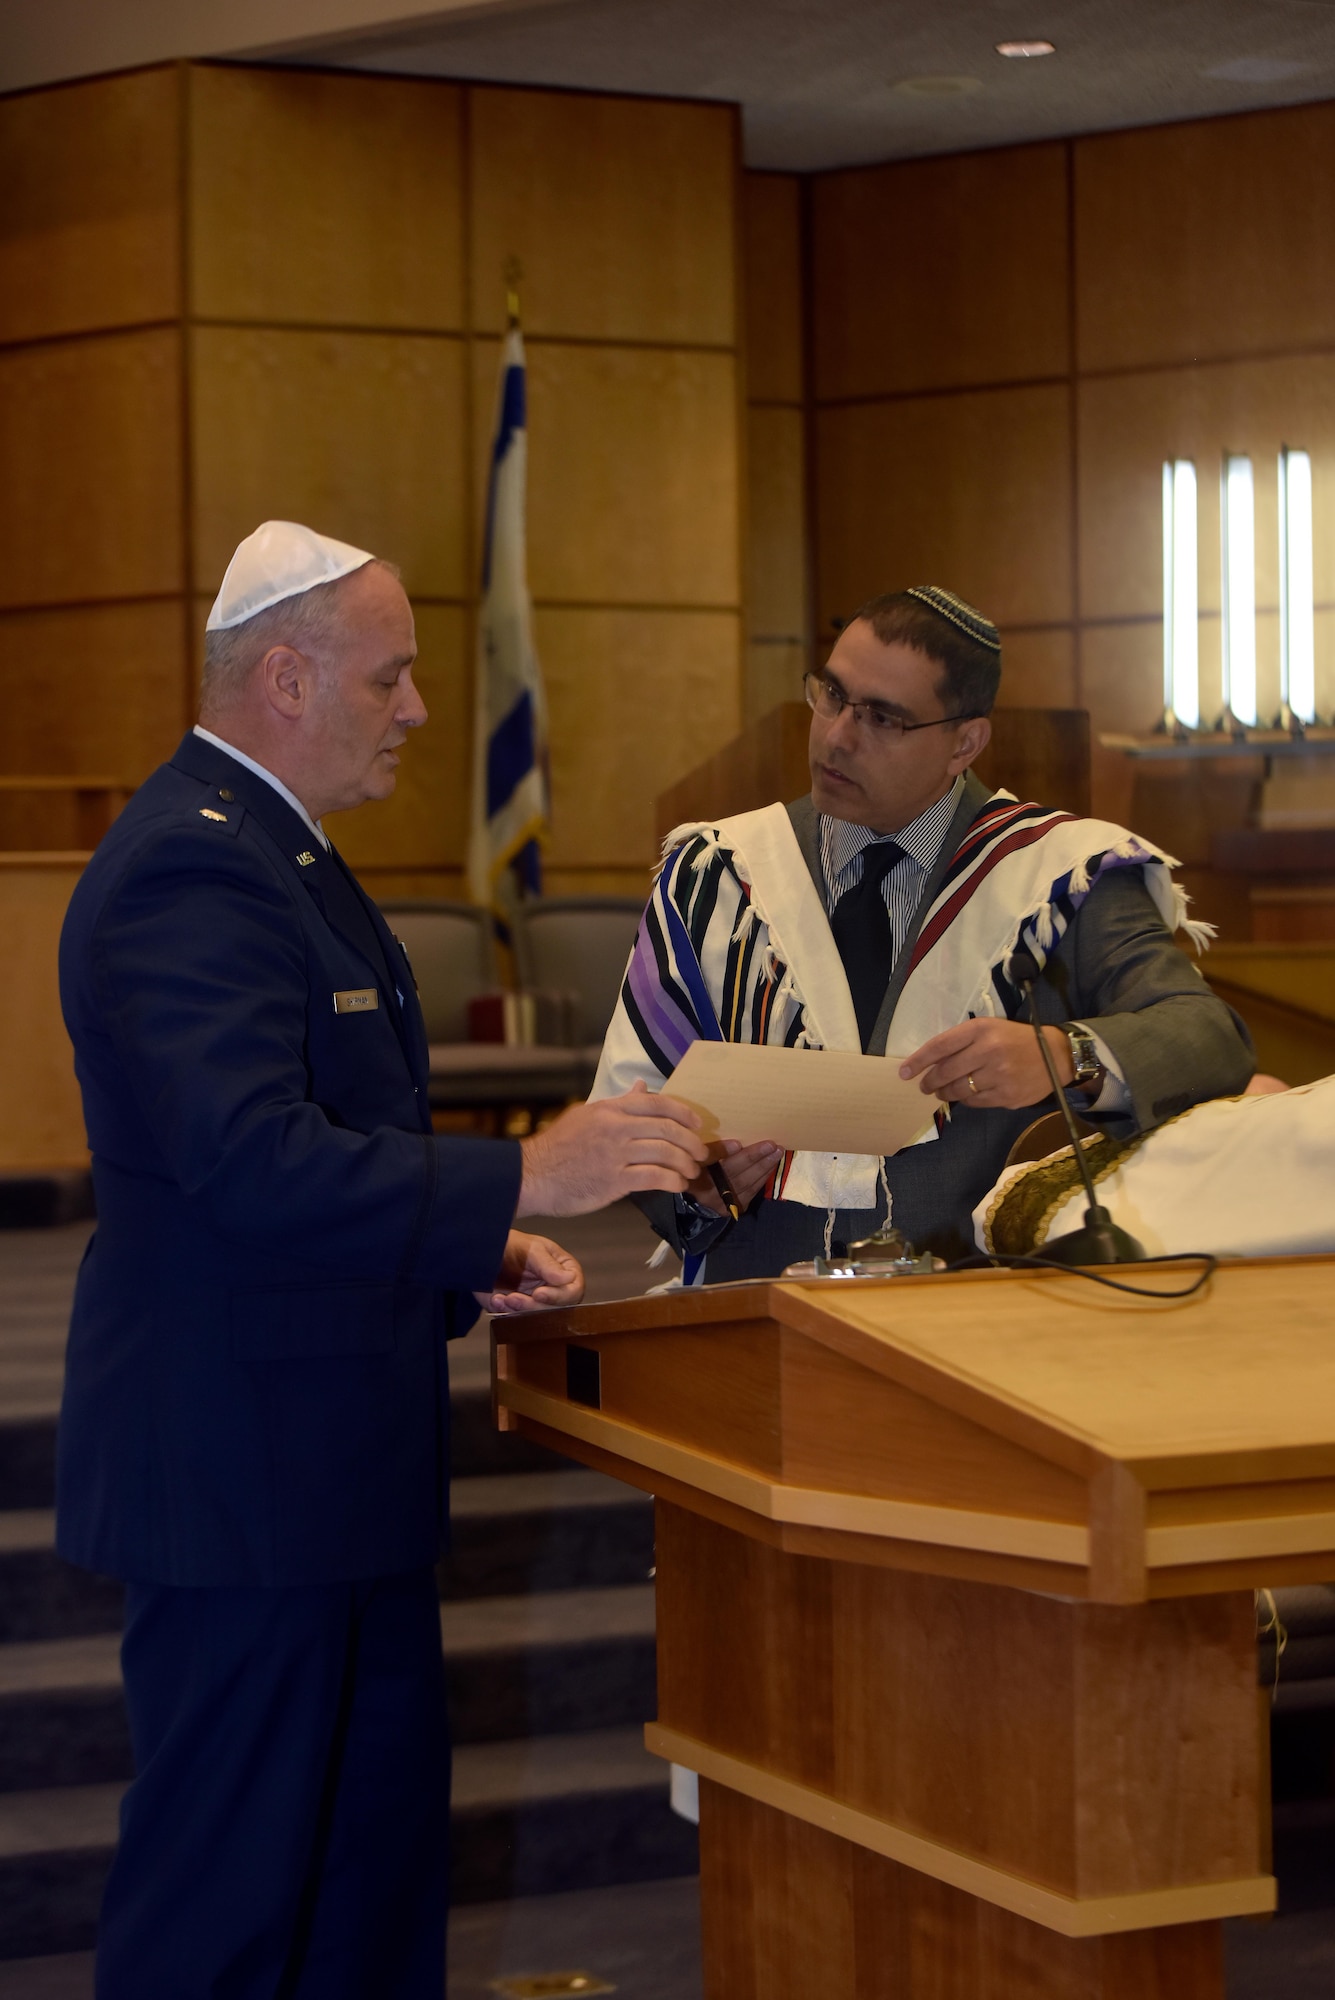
x=254 y=1432
x=881 y=914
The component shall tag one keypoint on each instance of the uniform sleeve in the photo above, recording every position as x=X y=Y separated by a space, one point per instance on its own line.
x=200 y=983
x=1175 y=1042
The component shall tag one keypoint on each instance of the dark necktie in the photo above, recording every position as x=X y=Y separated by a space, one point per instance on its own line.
x=861 y=926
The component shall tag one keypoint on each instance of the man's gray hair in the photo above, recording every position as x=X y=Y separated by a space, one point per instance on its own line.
x=308 y=622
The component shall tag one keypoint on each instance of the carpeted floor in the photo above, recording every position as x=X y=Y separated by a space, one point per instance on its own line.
x=643 y=1941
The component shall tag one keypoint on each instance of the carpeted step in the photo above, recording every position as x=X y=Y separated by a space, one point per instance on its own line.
x=513 y=1532
x=43 y=1597
x=562 y=1812
x=62 y=1714
x=28 y=1460
x=55 y=1849
x=550 y=1664
x=539 y=1531
x=478 y=1448
x=515 y=1666
x=530 y=1818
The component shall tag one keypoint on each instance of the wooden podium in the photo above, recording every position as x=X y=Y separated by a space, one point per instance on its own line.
x=955 y=1613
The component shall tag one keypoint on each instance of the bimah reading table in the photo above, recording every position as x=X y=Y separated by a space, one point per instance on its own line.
x=955 y=1608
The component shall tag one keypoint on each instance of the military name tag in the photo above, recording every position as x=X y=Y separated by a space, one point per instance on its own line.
x=357 y=1000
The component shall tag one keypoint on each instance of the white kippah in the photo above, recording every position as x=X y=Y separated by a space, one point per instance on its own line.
x=281 y=559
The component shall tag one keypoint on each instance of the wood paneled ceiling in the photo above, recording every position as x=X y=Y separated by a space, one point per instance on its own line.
x=822 y=83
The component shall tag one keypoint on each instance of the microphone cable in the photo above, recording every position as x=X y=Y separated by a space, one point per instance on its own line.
x=1019 y=1261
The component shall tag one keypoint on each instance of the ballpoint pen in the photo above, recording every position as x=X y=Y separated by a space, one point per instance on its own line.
x=725 y=1188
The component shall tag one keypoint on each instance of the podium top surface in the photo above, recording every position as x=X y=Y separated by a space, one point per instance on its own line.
x=1243 y=1370
x=1246 y=1366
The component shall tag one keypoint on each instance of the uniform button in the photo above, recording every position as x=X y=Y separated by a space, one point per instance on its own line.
x=223 y=793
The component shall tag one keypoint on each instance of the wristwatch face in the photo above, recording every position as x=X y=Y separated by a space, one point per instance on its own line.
x=1084 y=1054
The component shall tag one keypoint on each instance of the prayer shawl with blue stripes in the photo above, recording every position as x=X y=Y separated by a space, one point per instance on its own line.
x=735 y=945
x=510 y=789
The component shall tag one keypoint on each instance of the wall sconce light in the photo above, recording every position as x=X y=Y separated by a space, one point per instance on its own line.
x=1181 y=645
x=1237 y=525
x=1297 y=637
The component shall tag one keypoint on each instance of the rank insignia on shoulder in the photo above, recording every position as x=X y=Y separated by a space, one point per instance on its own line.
x=207 y=812
x=305 y=859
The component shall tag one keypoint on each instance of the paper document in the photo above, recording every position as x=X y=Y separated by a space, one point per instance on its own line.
x=808 y=1100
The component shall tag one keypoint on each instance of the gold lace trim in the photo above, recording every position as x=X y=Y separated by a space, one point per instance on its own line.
x=1017 y=1220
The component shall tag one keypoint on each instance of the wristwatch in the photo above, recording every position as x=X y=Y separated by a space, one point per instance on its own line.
x=1084 y=1053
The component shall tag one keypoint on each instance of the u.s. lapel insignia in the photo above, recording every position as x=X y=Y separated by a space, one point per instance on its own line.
x=207 y=812
x=305 y=859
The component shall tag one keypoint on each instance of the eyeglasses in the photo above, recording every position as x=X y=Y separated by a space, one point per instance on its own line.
x=829 y=701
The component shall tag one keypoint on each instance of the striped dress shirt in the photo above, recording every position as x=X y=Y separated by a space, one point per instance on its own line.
x=843 y=848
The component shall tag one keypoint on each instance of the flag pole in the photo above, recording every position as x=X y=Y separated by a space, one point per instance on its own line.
x=511 y=783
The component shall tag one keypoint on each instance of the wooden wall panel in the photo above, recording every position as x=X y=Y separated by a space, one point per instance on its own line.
x=317 y=198
x=93 y=691
x=90 y=469
x=968 y=491
x=621 y=211
x=634 y=696
x=939 y=273
x=1206 y=240
x=772 y=674
x=776 y=581
x=360 y=435
x=41 y=1115
x=90 y=205
x=633 y=472
x=1038 y=668
x=425 y=823
x=1121 y=678
x=772 y=285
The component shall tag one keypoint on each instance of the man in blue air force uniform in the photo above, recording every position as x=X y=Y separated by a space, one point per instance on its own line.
x=255 y=1425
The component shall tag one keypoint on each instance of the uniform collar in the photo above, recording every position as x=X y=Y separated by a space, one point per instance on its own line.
x=290 y=798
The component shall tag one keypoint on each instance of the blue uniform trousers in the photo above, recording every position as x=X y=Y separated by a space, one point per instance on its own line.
x=287 y=1834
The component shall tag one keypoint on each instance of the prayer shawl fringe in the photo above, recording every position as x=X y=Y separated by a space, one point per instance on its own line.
x=735 y=945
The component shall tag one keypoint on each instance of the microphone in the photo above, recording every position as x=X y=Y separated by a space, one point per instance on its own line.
x=1099 y=1240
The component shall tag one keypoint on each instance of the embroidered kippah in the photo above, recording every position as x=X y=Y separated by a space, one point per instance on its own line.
x=958 y=612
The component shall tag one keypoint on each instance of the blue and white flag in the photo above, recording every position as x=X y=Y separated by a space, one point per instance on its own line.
x=510 y=781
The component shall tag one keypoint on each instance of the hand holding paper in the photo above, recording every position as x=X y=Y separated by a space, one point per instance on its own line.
x=808 y=1100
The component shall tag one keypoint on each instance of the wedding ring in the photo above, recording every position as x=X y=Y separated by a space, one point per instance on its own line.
x=973 y=1086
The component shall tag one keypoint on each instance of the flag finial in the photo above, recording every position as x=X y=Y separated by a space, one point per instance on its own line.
x=513 y=273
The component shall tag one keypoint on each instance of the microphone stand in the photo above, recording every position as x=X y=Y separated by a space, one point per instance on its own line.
x=1099 y=1240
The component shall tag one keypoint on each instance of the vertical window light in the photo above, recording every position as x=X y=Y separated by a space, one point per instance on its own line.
x=1237 y=518
x=1297 y=639
x=1181 y=677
